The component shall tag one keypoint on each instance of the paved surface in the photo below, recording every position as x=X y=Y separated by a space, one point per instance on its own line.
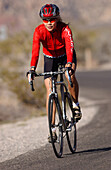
x=24 y=136
x=94 y=146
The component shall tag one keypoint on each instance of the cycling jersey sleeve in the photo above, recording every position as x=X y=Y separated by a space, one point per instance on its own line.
x=69 y=44
x=35 y=48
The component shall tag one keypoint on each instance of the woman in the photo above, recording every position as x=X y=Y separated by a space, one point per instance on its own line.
x=58 y=47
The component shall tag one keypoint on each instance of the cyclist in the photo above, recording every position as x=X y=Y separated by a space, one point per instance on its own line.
x=58 y=47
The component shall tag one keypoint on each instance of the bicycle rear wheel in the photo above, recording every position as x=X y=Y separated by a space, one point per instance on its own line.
x=71 y=133
x=54 y=112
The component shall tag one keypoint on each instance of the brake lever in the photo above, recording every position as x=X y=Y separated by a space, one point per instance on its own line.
x=69 y=77
x=31 y=81
x=32 y=86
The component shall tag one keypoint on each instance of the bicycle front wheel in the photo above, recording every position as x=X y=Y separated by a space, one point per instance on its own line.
x=55 y=125
x=71 y=133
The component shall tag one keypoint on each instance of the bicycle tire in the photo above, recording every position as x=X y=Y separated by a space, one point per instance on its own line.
x=58 y=144
x=71 y=133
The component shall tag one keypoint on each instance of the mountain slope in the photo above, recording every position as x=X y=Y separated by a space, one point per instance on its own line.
x=23 y=14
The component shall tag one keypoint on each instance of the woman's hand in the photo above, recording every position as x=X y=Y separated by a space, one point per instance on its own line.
x=71 y=68
x=31 y=75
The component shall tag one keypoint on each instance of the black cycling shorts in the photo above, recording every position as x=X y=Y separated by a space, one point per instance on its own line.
x=51 y=64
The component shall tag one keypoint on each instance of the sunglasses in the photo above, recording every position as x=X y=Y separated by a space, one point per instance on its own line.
x=49 y=20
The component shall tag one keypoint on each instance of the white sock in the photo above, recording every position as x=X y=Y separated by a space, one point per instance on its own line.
x=53 y=129
x=75 y=104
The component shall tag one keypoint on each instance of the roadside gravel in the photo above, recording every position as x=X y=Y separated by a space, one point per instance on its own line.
x=23 y=136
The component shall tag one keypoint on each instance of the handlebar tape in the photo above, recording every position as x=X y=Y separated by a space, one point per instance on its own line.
x=69 y=78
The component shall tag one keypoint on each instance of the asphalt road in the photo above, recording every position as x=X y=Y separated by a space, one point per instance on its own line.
x=94 y=139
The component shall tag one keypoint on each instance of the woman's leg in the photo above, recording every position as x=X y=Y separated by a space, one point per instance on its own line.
x=74 y=93
x=75 y=89
x=48 y=88
x=47 y=82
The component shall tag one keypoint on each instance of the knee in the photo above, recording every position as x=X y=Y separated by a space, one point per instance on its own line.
x=48 y=86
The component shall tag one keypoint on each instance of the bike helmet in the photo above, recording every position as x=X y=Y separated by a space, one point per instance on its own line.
x=49 y=11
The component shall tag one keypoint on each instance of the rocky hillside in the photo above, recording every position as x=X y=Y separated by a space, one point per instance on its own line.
x=23 y=14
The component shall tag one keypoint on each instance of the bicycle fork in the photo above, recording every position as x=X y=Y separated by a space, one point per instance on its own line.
x=65 y=122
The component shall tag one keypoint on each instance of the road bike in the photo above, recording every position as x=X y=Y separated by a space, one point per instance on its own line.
x=61 y=116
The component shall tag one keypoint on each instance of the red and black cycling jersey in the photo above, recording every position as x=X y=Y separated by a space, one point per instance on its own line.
x=55 y=44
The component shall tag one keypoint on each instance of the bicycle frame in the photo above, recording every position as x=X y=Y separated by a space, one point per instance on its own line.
x=54 y=84
x=64 y=122
x=54 y=91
